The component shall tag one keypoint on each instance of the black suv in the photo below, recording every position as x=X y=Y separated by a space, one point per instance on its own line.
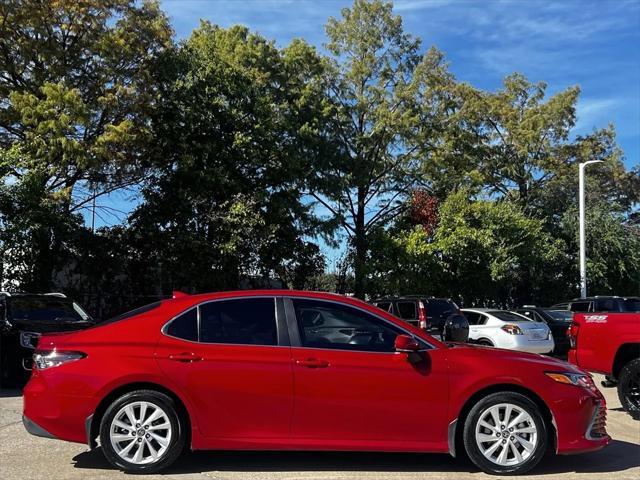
x=601 y=304
x=427 y=313
x=23 y=318
x=558 y=320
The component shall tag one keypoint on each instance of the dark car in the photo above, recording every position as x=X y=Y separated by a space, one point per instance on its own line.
x=23 y=318
x=427 y=313
x=601 y=304
x=558 y=322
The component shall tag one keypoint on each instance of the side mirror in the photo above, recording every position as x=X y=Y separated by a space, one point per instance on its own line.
x=405 y=343
x=456 y=329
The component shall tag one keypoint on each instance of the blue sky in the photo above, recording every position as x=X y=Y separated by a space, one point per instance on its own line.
x=593 y=44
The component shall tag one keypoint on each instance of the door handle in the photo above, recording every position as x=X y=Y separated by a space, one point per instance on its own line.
x=186 y=357
x=312 y=363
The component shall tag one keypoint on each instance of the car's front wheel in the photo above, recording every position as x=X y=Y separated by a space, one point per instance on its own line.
x=141 y=432
x=505 y=433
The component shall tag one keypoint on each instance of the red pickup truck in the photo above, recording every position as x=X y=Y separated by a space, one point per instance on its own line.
x=609 y=343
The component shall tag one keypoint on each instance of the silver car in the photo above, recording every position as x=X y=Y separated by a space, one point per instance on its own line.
x=505 y=329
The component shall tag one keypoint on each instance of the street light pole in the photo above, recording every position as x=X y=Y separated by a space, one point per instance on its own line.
x=583 y=259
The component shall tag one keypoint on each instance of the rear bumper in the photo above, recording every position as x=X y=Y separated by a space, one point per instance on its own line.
x=50 y=414
x=34 y=429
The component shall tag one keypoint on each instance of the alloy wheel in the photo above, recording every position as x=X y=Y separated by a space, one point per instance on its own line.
x=140 y=432
x=506 y=434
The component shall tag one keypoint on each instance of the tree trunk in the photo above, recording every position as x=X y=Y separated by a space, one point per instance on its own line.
x=360 y=248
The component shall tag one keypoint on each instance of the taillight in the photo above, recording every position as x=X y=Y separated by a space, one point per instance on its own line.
x=422 y=316
x=572 y=333
x=44 y=359
x=512 y=329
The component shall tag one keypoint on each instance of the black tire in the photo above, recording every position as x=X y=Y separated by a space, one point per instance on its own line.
x=629 y=388
x=485 y=342
x=176 y=443
x=474 y=416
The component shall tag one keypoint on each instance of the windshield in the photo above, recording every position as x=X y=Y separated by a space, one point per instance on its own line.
x=560 y=315
x=47 y=309
x=631 y=305
x=509 y=316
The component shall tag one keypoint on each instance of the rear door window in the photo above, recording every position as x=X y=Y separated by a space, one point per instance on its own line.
x=580 y=306
x=185 y=326
x=407 y=310
x=244 y=321
x=607 y=305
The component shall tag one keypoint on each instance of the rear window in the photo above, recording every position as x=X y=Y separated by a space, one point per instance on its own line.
x=631 y=305
x=46 y=309
x=441 y=308
x=509 y=316
x=133 y=313
x=407 y=310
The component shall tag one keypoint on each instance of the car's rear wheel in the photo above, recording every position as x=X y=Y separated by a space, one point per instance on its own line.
x=141 y=432
x=485 y=342
x=629 y=388
x=505 y=433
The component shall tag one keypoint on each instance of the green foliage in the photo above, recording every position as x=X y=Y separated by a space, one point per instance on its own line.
x=384 y=102
x=612 y=246
x=223 y=200
x=246 y=153
x=75 y=90
x=482 y=251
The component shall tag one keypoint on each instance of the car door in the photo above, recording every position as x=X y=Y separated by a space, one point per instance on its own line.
x=352 y=390
x=231 y=358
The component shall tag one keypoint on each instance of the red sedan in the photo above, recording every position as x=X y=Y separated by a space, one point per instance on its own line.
x=287 y=370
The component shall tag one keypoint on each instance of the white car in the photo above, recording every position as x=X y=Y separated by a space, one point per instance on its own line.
x=504 y=329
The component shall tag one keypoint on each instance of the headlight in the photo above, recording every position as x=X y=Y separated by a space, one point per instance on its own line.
x=577 y=379
x=53 y=358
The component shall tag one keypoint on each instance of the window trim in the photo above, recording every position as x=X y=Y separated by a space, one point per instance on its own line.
x=282 y=339
x=296 y=341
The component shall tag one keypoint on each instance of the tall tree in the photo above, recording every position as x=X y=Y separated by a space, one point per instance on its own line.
x=517 y=143
x=233 y=134
x=75 y=91
x=386 y=103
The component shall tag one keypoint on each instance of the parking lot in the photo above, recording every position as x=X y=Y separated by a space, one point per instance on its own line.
x=23 y=456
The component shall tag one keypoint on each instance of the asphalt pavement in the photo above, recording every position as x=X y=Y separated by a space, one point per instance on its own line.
x=23 y=456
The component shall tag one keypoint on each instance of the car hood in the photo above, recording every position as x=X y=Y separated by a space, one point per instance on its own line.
x=512 y=357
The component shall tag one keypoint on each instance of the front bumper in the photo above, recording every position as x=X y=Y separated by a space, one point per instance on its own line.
x=582 y=428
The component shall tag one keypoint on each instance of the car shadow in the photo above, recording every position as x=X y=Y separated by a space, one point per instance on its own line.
x=617 y=457
x=10 y=392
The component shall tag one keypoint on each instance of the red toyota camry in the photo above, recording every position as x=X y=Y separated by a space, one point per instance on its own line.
x=276 y=370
